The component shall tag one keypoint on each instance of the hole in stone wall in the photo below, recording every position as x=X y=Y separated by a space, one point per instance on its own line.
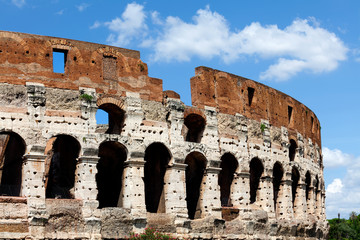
x=251 y=92
x=12 y=149
x=278 y=173
x=157 y=157
x=316 y=187
x=110 y=170
x=110 y=118
x=295 y=176
x=196 y=164
x=256 y=170
x=307 y=184
x=292 y=150
x=195 y=125
x=60 y=166
x=59 y=60
x=290 y=110
x=228 y=167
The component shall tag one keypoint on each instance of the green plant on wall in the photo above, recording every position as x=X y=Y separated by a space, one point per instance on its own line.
x=263 y=127
x=142 y=67
x=86 y=97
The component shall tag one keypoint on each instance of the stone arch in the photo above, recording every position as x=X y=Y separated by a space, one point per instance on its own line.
x=295 y=177
x=307 y=185
x=110 y=167
x=292 y=150
x=114 y=107
x=196 y=164
x=278 y=174
x=12 y=150
x=195 y=125
x=228 y=166
x=60 y=165
x=256 y=171
x=157 y=157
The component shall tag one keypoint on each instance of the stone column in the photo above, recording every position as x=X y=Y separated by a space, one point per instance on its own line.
x=318 y=203
x=310 y=201
x=285 y=206
x=210 y=203
x=175 y=190
x=240 y=190
x=265 y=195
x=133 y=191
x=300 y=207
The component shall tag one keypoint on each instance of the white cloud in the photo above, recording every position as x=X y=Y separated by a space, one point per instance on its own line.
x=131 y=25
x=82 y=7
x=335 y=158
x=18 y=3
x=335 y=187
x=61 y=12
x=95 y=25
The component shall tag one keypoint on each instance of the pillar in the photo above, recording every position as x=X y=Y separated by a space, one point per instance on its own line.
x=240 y=190
x=300 y=206
x=209 y=199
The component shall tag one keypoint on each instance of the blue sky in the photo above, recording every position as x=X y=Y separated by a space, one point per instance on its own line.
x=307 y=49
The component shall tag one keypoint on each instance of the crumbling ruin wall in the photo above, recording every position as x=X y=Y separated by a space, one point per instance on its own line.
x=244 y=162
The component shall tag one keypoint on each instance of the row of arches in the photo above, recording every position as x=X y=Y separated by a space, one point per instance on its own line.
x=62 y=152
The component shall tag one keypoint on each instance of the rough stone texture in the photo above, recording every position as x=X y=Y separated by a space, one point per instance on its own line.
x=151 y=136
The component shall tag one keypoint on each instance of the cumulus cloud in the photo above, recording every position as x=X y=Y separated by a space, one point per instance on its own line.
x=18 y=3
x=131 y=25
x=303 y=46
x=335 y=158
x=335 y=187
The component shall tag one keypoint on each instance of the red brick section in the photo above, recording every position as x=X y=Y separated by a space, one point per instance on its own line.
x=28 y=58
x=193 y=110
x=171 y=94
x=230 y=94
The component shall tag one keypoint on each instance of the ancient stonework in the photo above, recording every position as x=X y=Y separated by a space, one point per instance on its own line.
x=243 y=162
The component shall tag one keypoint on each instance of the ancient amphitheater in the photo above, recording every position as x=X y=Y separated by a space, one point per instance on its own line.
x=243 y=162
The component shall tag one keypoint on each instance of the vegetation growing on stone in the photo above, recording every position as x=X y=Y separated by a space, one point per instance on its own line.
x=150 y=233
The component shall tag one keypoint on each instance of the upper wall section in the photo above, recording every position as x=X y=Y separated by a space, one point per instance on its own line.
x=110 y=70
x=232 y=94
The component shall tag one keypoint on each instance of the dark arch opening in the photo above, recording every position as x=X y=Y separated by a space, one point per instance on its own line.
x=196 y=125
x=278 y=173
x=295 y=177
x=115 y=117
x=12 y=149
x=110 y=170
x=61 y=175
x=307 y=184
x=228 y=166
x=256 y=171
x=316 y=188
x=196 y=164
x=292 y=150
x=157 y=157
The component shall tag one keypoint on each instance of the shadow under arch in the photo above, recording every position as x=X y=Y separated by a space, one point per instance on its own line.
x=256 y=171
x=228 y=166
x=295 y=177
x=195 y=125
x=110 y=173
x=196 y=165
x=278 y=173
x=116 y=117
x=60 y=164
x=292 y=150
x=157 y=157
x=12 y=150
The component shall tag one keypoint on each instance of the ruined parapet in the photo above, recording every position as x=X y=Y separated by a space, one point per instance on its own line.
x=244 y=162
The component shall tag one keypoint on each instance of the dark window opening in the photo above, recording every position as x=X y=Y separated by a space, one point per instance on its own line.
x=60 y=166
x=228 y=167
x=278 y=174
x=109 y=68
x=292 y=150
x=157 y=158
x=251 y=92
x=307 y=185
x=59 y=60
x=316 y=188
x=112 y=114
x=110 y=171
x=195 y=125
x=290 y=110
x=12 y=149
x=256 y=171
x=196 y=164
x=312 y=124
x=295 y=177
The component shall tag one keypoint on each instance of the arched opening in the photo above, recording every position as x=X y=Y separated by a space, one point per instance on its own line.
x=157 y=157
x=316 y=189
x=307 y=185
x=111 y=114
x=228 y=166
x=195 y=125
x=60 y=167
x=292 y=150
x=295 y=177
x=12 y=149
x=196 y=164
x=110 y=170
x=278 y=173
x=256 y=171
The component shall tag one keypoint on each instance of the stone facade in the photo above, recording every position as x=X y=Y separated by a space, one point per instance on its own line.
x=244 y=162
